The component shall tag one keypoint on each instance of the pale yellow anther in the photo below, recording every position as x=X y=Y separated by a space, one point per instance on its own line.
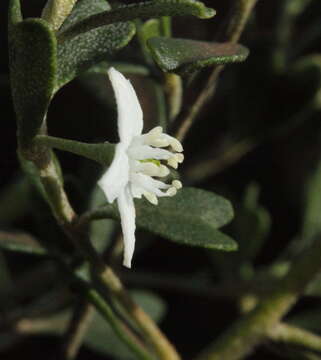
x=158 y=142
x=171 y=191
x=176 y=145
x=173 y=162
x=156 y=131
x=177 y=184
x=179 y=158
x=150 y=169
x=163 y=171
x=152 y=198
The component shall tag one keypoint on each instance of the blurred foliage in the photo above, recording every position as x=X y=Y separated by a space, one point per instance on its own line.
x=270 y=101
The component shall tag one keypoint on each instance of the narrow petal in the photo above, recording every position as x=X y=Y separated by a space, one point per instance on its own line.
x=127 y=216
x=116 y=177
x=130 y=115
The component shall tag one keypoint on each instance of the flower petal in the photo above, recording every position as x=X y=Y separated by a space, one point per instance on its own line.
x=127 y=216
x=116 y=177
x=130 y=115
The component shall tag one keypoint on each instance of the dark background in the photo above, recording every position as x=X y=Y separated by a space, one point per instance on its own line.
x=250 y=99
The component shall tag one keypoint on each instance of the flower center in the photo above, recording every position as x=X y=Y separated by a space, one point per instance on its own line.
x=146 y=154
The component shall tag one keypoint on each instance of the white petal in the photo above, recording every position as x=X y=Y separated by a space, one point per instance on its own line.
x=144 y=152
x=127 y=216
x=130 y=115
x=116 y=177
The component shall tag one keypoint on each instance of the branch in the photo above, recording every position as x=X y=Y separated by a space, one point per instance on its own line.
x=254 y=328
x=295 y=336
x=77 y=329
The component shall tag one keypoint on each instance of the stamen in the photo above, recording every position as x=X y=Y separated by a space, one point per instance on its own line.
x=163 y=171
x=152 y=198
x=180 y=158
x=149 y=168
x=177 y=184
x=172 y=162
x=171 y=191
x=176 y=145
x=156 y=131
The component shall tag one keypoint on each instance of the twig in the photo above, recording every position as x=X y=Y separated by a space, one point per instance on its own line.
x=66 y=217
x=295 y=336
x=242 y=11
x=77 y=329
x=254 y=328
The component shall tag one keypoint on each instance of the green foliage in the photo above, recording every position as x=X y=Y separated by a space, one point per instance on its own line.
x=147 y=9
x=191 y=218
x=252 y=224
x=101 y=232
x=101 y=338
x=32 y=46
x=21 y=242
x=78 y=54
x=308 y=319
x=312 y=214
x=184 y=55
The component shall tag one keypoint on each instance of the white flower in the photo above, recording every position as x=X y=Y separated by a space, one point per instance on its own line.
x=137 y=160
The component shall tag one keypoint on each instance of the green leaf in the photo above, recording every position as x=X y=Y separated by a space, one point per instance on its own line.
x=101 y=232
x=185 y=56
x=312 y=203
x=147 y=9
x=252 y=224
x=56 y=11
x=32 y=49
x=102 y=339
x=150 y=28
x=15 y=200
x=78 y=54
x=21 y=242
x=309 y=319
x=191 y=217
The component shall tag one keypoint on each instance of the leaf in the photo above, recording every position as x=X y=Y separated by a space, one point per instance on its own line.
x=309 y=319
x=21 y=242
x=32 y=49
x=150 y=28
x=78 y=54
x=191 y=217
x=312 y=204
x=15 y=200
x=101 y=338
x=252 y=224
x=56 y=11
x=101 y=232
x=185 y=56
x=147 y=9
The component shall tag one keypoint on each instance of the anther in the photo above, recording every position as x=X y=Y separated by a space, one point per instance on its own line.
x=152 y=198
x=177 y=184
x=171 y=191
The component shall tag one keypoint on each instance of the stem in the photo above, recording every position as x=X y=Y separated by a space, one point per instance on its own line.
x=242 y=11
x=67 y=219
x=151 y=332
x=102 y=152
x=77 y=329
x=252 y=329
x=108 y=314
x=295 y=336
